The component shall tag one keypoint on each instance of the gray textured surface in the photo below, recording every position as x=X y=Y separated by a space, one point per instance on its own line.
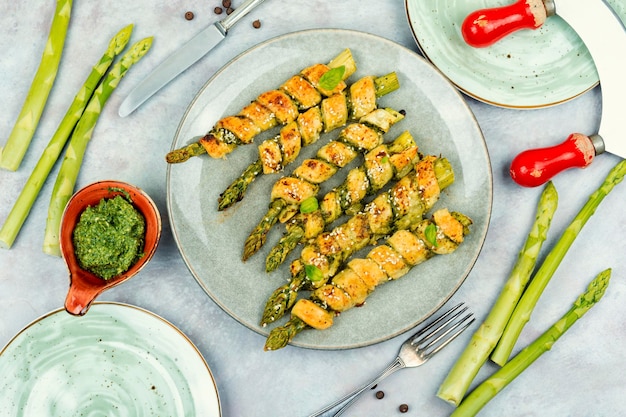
x=582 y=374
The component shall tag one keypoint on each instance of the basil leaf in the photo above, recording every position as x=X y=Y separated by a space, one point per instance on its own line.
x=431 y=234
x=332 y=78
x=313 y=273
x=309 y=205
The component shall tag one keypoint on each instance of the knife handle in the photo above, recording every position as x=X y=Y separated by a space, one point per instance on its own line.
x=536 y=166
x=238 y=13
x=485 y=27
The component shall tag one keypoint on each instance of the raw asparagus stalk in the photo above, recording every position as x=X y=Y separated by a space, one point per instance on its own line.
x=527 y=302
x=289 y=192
x=284 y=148
x=390 y=261
x=488 y=389
x=487 y=335
x=22 y=134
x=68 y=173
x=299 y=93
x=396 y=209
x=21 y=208
x=382 y=164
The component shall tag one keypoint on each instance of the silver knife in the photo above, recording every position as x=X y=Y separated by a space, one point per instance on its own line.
x=183 y=58
x=604 y=36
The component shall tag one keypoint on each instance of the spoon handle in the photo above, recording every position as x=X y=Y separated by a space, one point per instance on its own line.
x=80 y=295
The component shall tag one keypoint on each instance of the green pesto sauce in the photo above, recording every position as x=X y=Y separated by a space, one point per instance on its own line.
x=109 y=237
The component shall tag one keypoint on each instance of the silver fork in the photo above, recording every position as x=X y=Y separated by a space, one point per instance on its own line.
x=415 y=351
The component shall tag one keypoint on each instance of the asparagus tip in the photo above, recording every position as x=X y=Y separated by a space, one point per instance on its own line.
x=277 y=339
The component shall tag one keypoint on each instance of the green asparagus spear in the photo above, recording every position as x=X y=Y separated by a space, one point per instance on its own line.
x=487 y=335
x=68 y=173
x=183 y=154
x=236 y=190
x=344 y=59
x=281 y=336
x=284 y=247
x=488 y=389
x=259 y=234
x=26 y=199
x=359 y=183
x=28 y=120
x=388 y=262
x=527 y=303
x=413 y=206
x=283 y=298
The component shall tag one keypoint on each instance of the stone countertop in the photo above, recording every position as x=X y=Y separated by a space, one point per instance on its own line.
x=581 y=376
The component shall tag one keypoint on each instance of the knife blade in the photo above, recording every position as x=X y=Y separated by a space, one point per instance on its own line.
x=183 y=58
x=604 y=35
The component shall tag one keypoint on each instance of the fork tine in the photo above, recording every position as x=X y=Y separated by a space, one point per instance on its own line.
x=440 y=329
x=420 y=333
x=459 y=326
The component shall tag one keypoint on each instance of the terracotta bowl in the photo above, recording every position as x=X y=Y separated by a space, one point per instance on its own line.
x=84 y=285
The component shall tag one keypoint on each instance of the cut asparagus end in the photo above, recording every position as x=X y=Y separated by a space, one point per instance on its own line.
x=444 y=172
x=402 y=142
x=386 y=84
x=464 y=220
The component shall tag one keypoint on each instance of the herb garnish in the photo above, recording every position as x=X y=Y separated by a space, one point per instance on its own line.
x=313 y=273
x=431 y=234
x=309 y=205
x=332 y=78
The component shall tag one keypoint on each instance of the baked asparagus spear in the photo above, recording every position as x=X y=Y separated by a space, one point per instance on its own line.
x=290 y=191
x=396 y=209
x=332 y=113
x=273 y=107
x=382 y=164
x=441 y=234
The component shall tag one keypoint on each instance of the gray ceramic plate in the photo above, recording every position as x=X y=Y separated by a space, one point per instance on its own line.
x=528 y=69
x=211 y=242
x=117 y=360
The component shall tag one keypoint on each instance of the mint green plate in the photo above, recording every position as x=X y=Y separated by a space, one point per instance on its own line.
x=117 y=360
x=528 y=69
